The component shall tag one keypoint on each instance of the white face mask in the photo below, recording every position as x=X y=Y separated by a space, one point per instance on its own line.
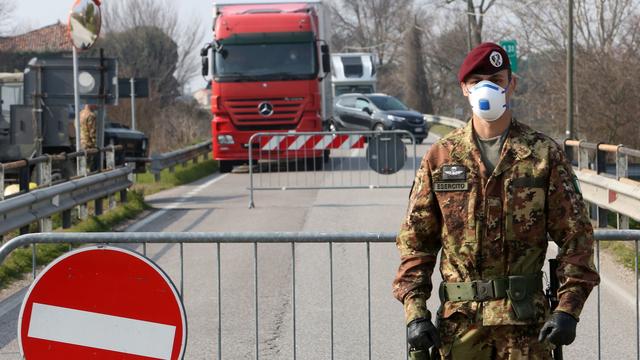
x=488 y=100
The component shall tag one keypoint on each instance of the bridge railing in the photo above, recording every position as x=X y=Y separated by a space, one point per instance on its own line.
x=606 y=190
x=295 y=240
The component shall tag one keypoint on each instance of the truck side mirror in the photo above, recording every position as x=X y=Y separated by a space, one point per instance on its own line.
x=326 y=59
x=204 y=53
x=205 y=66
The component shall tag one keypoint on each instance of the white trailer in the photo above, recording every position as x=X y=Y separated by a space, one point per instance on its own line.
x=353 y=73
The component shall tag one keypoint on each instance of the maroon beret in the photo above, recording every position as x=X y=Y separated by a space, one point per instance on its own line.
x=485 y=59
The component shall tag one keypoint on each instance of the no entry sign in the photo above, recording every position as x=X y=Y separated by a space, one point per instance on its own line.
x=102 y=303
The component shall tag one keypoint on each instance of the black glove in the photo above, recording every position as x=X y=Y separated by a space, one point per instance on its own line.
x=421 y=334
x=560 y=329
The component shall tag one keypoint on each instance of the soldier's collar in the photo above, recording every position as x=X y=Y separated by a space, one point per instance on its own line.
x=516 y=141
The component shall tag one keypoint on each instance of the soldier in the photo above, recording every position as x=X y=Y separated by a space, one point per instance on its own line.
x=88 y=127
x=88 y=134
x=490 y=195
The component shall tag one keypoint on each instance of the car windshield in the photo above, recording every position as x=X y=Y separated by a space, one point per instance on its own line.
x=256 y=62
x=388 y=103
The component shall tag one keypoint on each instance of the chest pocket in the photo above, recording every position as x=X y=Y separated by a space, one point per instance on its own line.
x=456 y=196
x=527 y=207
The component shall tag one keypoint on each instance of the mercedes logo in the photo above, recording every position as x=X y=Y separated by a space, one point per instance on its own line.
x=265 y=109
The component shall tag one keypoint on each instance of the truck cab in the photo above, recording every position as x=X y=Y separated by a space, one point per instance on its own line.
x=267 y=64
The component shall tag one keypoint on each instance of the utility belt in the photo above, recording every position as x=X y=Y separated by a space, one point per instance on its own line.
x=520 y=289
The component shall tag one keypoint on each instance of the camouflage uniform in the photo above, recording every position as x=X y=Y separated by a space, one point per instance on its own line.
x=490 y=227
x=87 y=128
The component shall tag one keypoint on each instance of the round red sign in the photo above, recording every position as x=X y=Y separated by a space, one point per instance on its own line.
x=102 y=302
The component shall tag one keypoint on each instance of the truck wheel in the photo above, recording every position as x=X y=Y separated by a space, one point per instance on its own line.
x=225 y=166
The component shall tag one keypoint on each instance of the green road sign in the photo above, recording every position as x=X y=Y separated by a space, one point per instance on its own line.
x=511 y=46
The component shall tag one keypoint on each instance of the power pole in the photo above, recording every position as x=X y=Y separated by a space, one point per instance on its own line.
x=569 y=132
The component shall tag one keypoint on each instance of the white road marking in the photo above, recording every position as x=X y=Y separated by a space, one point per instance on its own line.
x=100 y=331
x=156 y=215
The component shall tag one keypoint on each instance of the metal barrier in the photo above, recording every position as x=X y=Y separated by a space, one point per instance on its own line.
x=27 y=205
x=606 y=192
x=169 y=160
x=444 y=120
x=272 y=238
x=331 y=160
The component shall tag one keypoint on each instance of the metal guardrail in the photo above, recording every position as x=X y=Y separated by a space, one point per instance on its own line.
x=292 y=238
x=606 y=192
x=444 y=120
x=332 y=160
x=43 y=203
x=169 y=160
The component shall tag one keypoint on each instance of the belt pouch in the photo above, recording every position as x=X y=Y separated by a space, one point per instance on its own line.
x=521 y=295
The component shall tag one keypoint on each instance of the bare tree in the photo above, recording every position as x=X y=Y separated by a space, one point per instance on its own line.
x=475 y=18
x=125 y=15
x=606 y=42
x=370 y=25
x=417 y=93
x=7 y=8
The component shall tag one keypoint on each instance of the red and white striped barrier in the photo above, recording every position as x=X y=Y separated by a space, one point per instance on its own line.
x=310 y=142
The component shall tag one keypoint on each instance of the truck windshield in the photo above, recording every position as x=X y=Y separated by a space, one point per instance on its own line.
x=261 y=62
x=388 y=103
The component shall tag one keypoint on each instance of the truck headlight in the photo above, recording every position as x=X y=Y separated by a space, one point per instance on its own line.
x=225 y=140
x=395 y=118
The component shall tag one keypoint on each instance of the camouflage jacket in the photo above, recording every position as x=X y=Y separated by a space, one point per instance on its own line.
x=87 y=129
x=494 y=226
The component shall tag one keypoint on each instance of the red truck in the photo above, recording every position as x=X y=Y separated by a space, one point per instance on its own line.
x=268 y=66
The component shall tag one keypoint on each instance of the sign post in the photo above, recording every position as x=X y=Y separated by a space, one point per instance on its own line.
x=84 y=28
x=102 y=302
x=511 y=47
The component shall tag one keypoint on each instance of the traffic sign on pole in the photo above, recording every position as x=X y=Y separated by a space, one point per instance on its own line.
x=102 y=303
x=511 y=47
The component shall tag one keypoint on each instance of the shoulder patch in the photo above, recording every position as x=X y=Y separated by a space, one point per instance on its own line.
x=576 y=185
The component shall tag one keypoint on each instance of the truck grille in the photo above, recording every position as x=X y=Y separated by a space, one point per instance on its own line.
x=245 y=113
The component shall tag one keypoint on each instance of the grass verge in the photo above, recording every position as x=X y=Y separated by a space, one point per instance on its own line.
x=183 y=174
x=20 y=260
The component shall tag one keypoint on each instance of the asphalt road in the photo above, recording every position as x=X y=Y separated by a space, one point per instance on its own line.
x=220 y=203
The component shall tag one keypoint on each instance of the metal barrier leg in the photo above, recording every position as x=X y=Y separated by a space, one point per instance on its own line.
x=255 y=282
x=369 y=294
x=123 y=196
x=99 y=209
x=599 y=310
x=293 y=296
x=331 y=291
x=34 y=259
x=182 y=271
x=637 y=303
x=219 y=303
x=66 y=219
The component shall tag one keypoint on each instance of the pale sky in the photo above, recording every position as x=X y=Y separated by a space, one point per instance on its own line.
x=33 y=14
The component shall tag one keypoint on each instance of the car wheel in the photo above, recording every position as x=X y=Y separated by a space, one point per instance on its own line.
x=419 y=140
x=378 y=127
